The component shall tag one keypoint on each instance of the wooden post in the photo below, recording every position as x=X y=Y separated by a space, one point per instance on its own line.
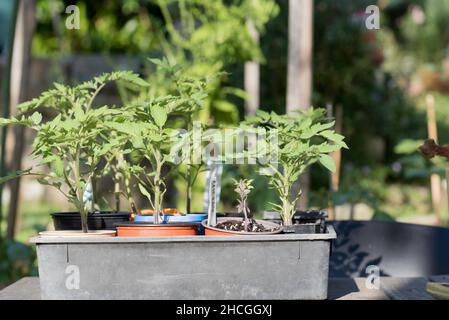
x=299 y=70
x=6 y=90
x=252 y=78
x=435 y=180
x=337 y=154
x=25 y=24
x=334 y=180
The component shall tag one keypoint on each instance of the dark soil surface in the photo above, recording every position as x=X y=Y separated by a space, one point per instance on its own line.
x=237 y=225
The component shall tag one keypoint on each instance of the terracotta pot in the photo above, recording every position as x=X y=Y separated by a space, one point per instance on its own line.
x=138 y=229
x=212 y=231
x=78 y=233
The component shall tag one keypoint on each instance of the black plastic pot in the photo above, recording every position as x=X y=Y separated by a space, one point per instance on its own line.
x=95 y=221
x=304 y=222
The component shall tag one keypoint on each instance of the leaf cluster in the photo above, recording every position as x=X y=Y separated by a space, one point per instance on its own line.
x=303 y=138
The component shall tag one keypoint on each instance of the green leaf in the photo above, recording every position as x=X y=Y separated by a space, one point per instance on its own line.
x=5 y=122
x=335 y=137
x=22 y=121
x=276 y=207
x=265 y=171
x=135 y=79
x=328 y=162
x=328 y=148
x=36 y=118
x=304 y=124
x=408 y=146
x=58 y=167
x=159 y=115
x=323 y=126
x=60 y=87
x=25 y=106
x=157 y=62
x=144 y=191
x=225 y=106
x=263 y=114
x=342 y=144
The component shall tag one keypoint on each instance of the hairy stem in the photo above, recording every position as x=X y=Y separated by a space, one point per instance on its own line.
x=189 y=170
x=157 y=184
x=79 y=192
x=245 y=214
x=189 y=188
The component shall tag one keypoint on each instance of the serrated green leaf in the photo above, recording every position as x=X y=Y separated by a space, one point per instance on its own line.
x=265 y=171
x=263 y=114
x=135 y=79
x=60 y=87
x=328 y=162
x=36 y=118
x=58 y=167
x=159 y=115
x=328 y=148
x=155 y=61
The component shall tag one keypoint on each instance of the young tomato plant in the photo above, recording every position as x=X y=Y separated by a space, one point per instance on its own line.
x=121 y=167
x=147 y=129
x=243 y=188
x=186 y=96
x=303 y=138
x=72 y=143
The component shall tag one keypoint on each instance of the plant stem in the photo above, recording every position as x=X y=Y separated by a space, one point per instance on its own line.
x=189 y=169
x=158 y=194
x=79 y=192
x=117 y=195
x=245 y=214
x=93 y=183
x=157 y=210
x=128 y=191
x=287 y=207
x=189 y=188
x=286 y=212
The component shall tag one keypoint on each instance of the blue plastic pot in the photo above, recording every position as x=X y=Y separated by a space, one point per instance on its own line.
x=166 y=218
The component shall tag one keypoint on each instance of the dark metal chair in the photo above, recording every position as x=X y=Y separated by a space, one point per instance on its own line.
x=399 y=249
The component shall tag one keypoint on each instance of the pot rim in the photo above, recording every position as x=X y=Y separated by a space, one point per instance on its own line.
x=263 y=222
x=75 y=214
x=176 y=214
x=136 y=224
x=78 y=233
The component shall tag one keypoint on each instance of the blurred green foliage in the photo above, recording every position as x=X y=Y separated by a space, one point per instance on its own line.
x=18 y=257
x=207 y=37
x=17 y=260
x=106 y=26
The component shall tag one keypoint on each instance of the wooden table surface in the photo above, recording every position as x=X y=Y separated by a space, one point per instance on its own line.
x=391 y=288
